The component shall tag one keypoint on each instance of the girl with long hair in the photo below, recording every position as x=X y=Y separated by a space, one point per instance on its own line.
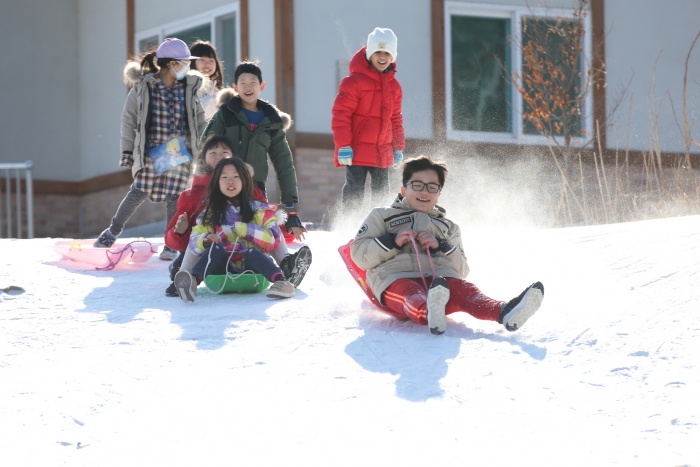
x=233 y=234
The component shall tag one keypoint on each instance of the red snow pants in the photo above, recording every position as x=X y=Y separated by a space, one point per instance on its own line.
x=406 y=298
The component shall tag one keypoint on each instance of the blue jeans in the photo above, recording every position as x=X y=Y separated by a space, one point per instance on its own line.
x=253 y=259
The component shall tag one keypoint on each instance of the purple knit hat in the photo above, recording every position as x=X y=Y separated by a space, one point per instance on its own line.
x=174 y=48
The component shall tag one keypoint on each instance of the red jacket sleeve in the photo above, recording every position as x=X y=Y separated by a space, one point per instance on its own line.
x=399 y=139
x=173 y=240
x=258 y=195
x=344 y=106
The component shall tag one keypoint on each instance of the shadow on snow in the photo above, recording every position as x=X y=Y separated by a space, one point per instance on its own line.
x=419 y=358
x=205 y=321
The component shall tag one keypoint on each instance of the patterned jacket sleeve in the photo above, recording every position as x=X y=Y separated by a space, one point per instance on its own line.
x=199 y=232
x=262 y=231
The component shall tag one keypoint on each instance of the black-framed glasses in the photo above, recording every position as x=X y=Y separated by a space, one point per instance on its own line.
x=419 y=186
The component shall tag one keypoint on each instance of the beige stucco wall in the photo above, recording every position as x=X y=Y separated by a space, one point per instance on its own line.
x=39 y=113
x=639 y=32
x=261 y=33
x=101 y=56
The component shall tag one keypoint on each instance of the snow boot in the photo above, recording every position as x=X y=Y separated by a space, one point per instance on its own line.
x=294 y=266
x=105 y=240
x=438 y=296
x=281 y=289
x=186 y=285
x=517 y=311
x=168 y=254
x=171 y=291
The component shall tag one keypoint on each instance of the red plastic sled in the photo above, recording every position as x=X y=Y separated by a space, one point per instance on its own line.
x=360 y=275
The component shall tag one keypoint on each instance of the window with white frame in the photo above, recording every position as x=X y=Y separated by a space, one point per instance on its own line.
x=482 y=105
x=220 y=26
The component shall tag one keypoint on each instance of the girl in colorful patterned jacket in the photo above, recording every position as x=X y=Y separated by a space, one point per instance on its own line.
x=233 y=234
x=191 y=204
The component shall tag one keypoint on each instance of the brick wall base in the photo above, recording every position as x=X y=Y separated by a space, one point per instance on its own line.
x=87 y=216
x=487 y=188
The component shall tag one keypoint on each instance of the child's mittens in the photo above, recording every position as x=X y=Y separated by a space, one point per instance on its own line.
x=398 y=157
x=127 y=160
x=345 y=155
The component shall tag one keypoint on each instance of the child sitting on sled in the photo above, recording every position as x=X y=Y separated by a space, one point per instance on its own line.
x=397 y=244
x=234 y=233
x=191 y=204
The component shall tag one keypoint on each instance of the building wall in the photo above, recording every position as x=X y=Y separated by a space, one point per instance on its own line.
x=101 y=57
x=261 y=33
x=640 y=40
x=40 y=118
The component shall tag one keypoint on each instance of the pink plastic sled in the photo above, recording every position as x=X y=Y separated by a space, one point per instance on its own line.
x=138 y=251
x=360 y=275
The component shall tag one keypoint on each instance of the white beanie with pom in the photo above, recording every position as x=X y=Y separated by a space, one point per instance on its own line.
x=384 y=40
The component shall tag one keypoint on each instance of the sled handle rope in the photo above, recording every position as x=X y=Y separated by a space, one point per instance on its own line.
x=233 y=277
x=120 y=253
x=430 y=259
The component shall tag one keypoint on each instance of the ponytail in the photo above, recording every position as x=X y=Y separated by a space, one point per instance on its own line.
x=149 y=63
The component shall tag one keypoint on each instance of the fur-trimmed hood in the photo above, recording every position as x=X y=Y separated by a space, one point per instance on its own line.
x=132 y=75
x=226 y=94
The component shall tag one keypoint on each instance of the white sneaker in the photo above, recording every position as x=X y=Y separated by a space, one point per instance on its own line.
x=438 y=296
x=186 y=286
x=168 y=254
x=281 y=289
x=518 y=310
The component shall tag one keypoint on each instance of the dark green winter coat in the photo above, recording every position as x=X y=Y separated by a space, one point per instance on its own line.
x=269 y=138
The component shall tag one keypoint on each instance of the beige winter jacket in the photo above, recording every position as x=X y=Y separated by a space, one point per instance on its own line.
x=374 y=249
x=135 y=116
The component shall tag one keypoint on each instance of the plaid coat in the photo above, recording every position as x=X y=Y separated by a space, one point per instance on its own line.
x=136 y=119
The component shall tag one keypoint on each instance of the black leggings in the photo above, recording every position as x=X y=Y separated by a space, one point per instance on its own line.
x=253 y=259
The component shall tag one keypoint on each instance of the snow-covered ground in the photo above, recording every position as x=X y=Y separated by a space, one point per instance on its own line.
x=101 y=369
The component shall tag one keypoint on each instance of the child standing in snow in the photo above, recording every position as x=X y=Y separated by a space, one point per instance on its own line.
x=191 y=203
x=233 y=233
x=367 y=123
x=257 y=129
x=397 y=243
x=208 y=64
x=162 y=104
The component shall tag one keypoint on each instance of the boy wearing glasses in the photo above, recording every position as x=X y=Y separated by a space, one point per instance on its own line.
x=384 y=247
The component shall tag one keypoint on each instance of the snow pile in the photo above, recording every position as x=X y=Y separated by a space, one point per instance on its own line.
x=100 y=368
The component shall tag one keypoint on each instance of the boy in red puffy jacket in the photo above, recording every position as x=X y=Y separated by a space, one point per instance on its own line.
x=367 y=122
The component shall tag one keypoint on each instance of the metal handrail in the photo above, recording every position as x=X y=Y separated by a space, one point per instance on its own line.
x=29 y=195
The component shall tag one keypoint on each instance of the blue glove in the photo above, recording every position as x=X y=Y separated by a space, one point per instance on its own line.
x=398 y=157
x=345 y=155
x=289 y=205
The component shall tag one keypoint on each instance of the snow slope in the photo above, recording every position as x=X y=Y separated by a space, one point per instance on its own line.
x=101 y=369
